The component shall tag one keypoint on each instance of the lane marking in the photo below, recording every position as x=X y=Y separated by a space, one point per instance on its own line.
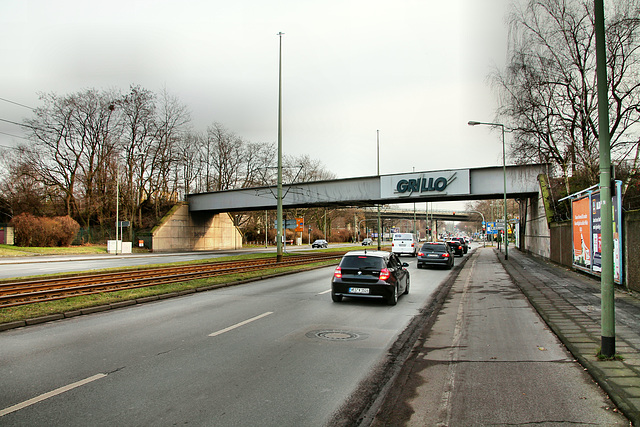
x=237 y=325
x=50 y=394
x=325 y=292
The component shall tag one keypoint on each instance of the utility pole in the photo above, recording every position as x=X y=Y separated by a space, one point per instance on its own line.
x=608 y=333
x=279 y=222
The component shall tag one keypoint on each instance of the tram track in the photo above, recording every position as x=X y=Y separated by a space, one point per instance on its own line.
x=32 y=291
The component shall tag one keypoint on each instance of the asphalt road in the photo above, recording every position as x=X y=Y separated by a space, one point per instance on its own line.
x=273 y=352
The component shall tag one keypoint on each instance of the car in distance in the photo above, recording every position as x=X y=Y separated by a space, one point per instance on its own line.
x=370 y=274
x=457 y=247
x=367 y=242
x=463 y=242
x=320 y=243
x=435 y=253
x=404 y=243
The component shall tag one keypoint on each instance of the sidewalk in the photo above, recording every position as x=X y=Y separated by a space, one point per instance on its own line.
x=489 y=360
x=569 y=303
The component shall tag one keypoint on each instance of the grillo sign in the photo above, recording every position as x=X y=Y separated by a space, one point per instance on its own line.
x=425 y=184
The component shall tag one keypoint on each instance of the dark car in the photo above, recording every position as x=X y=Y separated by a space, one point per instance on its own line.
x=320 y=244
x=463 y=242
x=435 y=253
x=370 y=274
x=457 y=247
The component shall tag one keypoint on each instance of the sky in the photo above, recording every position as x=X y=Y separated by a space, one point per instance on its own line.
x=414 y=70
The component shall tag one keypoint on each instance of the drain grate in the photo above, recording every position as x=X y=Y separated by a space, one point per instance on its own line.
x=337 y=335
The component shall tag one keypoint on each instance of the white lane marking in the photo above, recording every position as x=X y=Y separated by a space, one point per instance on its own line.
x=325 y=292
x=53 y=393
x=237 y=325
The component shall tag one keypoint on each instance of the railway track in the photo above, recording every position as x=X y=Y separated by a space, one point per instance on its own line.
x=32 y=291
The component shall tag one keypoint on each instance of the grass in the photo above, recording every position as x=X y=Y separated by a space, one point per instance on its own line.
x=615 y=357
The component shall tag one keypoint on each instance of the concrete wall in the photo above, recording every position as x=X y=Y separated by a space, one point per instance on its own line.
x=181 y=231
x=536 y=236
x=631 y=236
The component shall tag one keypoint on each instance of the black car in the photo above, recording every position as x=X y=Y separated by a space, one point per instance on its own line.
x=435 y=253
x=320 y=244
x=463 y=242
x=457 y=247
x=370 y=274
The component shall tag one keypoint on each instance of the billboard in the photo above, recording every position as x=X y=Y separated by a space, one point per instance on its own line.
x=587 y=234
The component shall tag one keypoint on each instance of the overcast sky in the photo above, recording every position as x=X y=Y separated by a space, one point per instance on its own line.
x=414 y=70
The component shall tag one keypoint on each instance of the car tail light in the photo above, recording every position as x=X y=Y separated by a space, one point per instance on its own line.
x=447 y=255
x=338 y=273
x=420 y=253
x=384 y=274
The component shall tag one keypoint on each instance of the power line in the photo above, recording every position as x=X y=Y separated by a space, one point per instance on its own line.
x=22 y=124
x=15 y=136
x=16 y=103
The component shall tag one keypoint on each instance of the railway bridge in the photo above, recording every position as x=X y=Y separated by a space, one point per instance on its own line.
x=203 y=224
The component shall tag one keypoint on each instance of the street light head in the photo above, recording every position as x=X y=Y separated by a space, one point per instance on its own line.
x=473 y=123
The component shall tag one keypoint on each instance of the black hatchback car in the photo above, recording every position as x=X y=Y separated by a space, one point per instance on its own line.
x=435 y=253
x=370 y=274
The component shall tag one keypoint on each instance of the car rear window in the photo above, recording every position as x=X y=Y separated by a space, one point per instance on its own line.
x=434 y=248
x=362 y=261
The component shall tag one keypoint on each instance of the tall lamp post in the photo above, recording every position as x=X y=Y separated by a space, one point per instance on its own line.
x=279 y=222
x=504 y=174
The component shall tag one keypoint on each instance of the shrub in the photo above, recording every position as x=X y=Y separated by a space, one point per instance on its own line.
x=44 y=231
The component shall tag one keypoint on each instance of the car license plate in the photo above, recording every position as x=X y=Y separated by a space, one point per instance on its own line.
x=358 y=290
x=433 y=255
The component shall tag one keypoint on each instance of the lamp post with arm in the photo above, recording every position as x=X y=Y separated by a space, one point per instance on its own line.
x=504 y=174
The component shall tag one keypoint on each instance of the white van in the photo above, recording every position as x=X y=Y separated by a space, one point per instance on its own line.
x=404 y=243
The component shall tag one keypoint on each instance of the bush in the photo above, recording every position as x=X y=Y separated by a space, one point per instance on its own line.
x=44 y=231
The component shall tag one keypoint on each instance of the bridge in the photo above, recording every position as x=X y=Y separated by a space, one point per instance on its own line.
x=432 y=186
x=204 y=222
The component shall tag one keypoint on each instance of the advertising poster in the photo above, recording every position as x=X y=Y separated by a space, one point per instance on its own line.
x=581 y=233
x=596 y=236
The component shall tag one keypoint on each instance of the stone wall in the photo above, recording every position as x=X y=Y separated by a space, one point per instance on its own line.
x=181 y=230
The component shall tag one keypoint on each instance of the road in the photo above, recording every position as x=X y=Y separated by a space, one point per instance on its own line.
x=273 y=352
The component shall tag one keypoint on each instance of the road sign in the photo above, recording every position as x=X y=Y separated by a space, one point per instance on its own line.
x=288 y=223
x=299 y=225
x=124 y=223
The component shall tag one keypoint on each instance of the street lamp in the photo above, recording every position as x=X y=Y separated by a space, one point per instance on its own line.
x=378 y=161
x=279 y=222
x=504 y=173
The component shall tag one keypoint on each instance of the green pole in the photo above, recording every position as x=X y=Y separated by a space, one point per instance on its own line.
x=608 y=335
x=279 y=222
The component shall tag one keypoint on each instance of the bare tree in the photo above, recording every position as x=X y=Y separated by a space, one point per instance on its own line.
x=549 y=89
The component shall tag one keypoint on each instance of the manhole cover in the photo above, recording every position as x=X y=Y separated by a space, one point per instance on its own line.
x=337 y=335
